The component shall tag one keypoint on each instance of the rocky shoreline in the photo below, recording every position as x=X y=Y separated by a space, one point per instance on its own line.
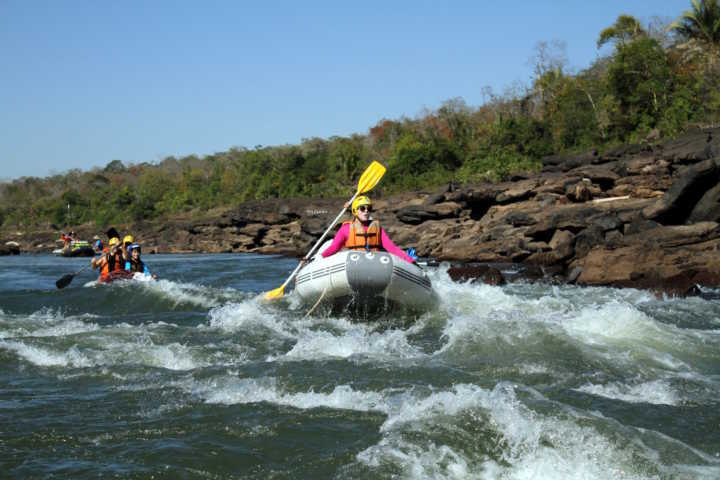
x=644 y=216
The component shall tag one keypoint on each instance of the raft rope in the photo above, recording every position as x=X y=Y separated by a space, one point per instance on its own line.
x=316 y=304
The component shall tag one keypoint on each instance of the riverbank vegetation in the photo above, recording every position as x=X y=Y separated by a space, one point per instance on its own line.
x=656 y=81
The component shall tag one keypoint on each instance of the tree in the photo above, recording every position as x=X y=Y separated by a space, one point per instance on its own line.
x=116 y=166
x=549 y=61
x=701 y=23
x=625 y=29
x=639 y=80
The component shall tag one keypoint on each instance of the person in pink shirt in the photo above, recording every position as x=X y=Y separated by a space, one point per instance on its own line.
x=363 y=233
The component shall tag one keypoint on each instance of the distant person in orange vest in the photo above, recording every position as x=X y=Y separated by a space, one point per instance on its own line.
x=364 y=233
x=111 y=261
x=66 y=239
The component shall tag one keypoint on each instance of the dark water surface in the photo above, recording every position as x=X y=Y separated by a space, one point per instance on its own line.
x=193 y=377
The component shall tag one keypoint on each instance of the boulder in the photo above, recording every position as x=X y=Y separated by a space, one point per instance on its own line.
x=667 y=259
x=707 y=208
x=694 y=146
x=476 y=273
x=9 y=248
x=434 y=199
x=565 y=163
x=674 y=207
x=517 y=192
x=416 y=214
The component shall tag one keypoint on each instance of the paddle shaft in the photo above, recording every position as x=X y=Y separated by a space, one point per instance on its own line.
x=317 y=244
x=82 y=269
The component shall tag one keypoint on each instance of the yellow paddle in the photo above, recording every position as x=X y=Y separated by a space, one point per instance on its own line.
x=370 y=177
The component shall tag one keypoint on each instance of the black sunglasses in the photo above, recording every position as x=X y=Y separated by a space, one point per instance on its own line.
x=364 y=208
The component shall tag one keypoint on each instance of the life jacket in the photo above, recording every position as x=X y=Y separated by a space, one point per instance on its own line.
x=138 y=266
x=361 y=239
x=114 y=263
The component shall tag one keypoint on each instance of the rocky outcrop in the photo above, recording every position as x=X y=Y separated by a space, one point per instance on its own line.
x=637 y=215
x=9 y=248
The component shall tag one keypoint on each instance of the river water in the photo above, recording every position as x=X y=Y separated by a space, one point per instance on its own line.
x=192 y=376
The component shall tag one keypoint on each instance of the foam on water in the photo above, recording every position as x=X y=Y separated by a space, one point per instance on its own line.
x=618 y=327
x=121 y=344
x=173 y=356
x=177 y=292
x=532 y=445
x=229 y=389
x=357 y=341
x=315 y=338
x=604 y=324
x=45 y=323
x=191 y=293
x=45 y=357
x=235 y=317
x=657 y=392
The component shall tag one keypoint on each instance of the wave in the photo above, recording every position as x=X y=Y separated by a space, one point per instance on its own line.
x=44 y=357
x=469 y=431
x=46 y=322
x=657 y=392
x=173 y=356
x=174 y=294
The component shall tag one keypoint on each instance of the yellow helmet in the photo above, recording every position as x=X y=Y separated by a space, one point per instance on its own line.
x=128 y=239
x=113 y=241
x=359 y=201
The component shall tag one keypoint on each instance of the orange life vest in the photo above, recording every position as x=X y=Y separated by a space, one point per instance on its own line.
x=113 y=263
x=361 y=239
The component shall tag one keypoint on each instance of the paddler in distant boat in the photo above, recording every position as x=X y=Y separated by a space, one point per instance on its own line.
x=111 y=261
x=363 y=233
x=66 y=239
x=98 y=245
x=127 y=241
x=135 y=264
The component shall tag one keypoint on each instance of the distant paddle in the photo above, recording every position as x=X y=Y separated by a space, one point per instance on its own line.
x=65 y=280
x=112 y=233
x=368 y=180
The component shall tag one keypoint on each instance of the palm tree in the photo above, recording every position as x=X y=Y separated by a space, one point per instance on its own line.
x=701 y=24
x=625 y=29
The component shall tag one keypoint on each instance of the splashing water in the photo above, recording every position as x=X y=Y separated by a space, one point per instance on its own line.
x=193 y=376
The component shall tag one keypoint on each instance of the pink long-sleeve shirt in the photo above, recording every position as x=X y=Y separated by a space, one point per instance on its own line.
x=342 y=235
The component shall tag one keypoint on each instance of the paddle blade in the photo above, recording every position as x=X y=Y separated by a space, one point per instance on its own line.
x=275 y=294
x=371 y=177
x=64 y=281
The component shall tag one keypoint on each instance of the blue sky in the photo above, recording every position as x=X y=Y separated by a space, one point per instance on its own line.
x=87 y=82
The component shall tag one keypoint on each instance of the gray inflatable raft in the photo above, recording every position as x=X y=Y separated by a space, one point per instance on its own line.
x=367 y=278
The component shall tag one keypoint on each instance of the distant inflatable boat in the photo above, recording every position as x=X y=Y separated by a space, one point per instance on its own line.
x=366 y=279
x=77 y=248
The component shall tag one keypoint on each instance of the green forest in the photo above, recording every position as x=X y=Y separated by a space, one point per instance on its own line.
x=656 y=81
